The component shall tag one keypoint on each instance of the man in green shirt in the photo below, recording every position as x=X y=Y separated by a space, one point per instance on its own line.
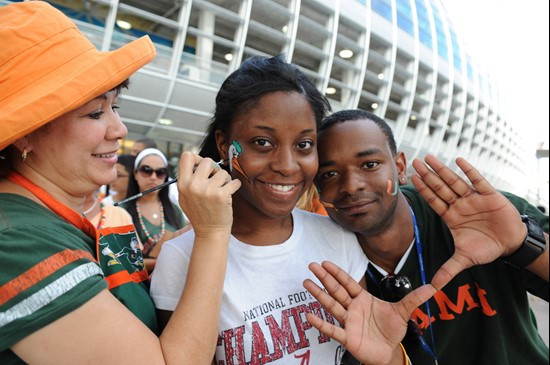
x=461 y=238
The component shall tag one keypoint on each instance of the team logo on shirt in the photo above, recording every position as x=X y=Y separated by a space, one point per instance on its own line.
x=120 y=248
x=107 y=252
x=468 y=298
x=133 y=254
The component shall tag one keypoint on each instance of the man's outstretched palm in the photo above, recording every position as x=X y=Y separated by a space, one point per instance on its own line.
x=484 y=224
x=372 y=328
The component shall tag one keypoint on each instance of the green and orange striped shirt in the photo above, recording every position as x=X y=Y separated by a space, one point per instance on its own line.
x=49 y=267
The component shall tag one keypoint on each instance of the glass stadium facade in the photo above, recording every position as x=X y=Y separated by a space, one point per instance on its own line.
x=401 y=59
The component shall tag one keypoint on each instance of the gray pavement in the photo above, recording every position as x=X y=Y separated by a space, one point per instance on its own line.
x=540 y=308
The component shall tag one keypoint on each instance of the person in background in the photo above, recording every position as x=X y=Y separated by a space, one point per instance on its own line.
x=483 y=249
x=173 y=194
x=70 y=294
x=117 y=189
x=154 y=215
x=142 y=144
x=310 y=202
x=103 y=215
x=265 y=128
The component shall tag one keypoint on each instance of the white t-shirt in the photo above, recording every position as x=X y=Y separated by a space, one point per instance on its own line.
x=264 y=302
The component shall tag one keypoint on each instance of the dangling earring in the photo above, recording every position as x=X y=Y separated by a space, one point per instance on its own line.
x=24 y=154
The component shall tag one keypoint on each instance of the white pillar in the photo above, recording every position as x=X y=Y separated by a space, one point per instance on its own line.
x=205 y=45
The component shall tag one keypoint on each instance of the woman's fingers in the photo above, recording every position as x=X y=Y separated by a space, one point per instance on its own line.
x=206 y=168
x=186 y=166
x=220 y=177
x=205 y=193
x=195 y=168
x=195 y=165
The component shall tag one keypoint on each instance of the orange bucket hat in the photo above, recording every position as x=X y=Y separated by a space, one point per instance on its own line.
x=48 y=67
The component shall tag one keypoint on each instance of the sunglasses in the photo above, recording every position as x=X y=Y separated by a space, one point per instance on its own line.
x=393 y=288
x=147 y=171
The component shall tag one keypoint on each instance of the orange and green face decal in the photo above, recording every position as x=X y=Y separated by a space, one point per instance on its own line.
x=235 y=150
x=392 y=191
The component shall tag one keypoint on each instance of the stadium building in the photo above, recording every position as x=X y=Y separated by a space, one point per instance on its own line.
x=401 y=59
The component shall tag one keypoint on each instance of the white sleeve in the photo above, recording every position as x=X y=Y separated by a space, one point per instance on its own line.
x=357 y=260
x=168 y=277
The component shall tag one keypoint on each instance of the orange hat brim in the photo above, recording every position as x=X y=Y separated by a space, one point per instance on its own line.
x=69 y=86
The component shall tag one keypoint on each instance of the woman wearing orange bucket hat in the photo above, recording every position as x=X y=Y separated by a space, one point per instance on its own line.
x=60 y=277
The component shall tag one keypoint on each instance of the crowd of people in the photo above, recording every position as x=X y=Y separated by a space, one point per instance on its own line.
x=238 y=263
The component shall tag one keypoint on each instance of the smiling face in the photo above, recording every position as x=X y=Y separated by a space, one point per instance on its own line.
x=77 y=151
x=355 y=164
x=278 y=140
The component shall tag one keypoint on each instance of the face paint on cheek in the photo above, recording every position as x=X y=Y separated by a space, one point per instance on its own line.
x=235 y=150
x=392 y=191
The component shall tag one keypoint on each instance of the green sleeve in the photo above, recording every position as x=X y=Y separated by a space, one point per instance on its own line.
x=534 y=284
x=525 y=208
x=47 y=272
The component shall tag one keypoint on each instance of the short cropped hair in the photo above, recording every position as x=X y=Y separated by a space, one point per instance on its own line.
x=359 y=114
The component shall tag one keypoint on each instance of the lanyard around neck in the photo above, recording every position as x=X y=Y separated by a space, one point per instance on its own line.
x=418 y=245
x=61 y=210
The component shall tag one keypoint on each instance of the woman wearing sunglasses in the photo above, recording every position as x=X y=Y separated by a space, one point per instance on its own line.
x=155 y=217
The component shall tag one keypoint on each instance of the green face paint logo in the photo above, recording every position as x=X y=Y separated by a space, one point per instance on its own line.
x=235 y=150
